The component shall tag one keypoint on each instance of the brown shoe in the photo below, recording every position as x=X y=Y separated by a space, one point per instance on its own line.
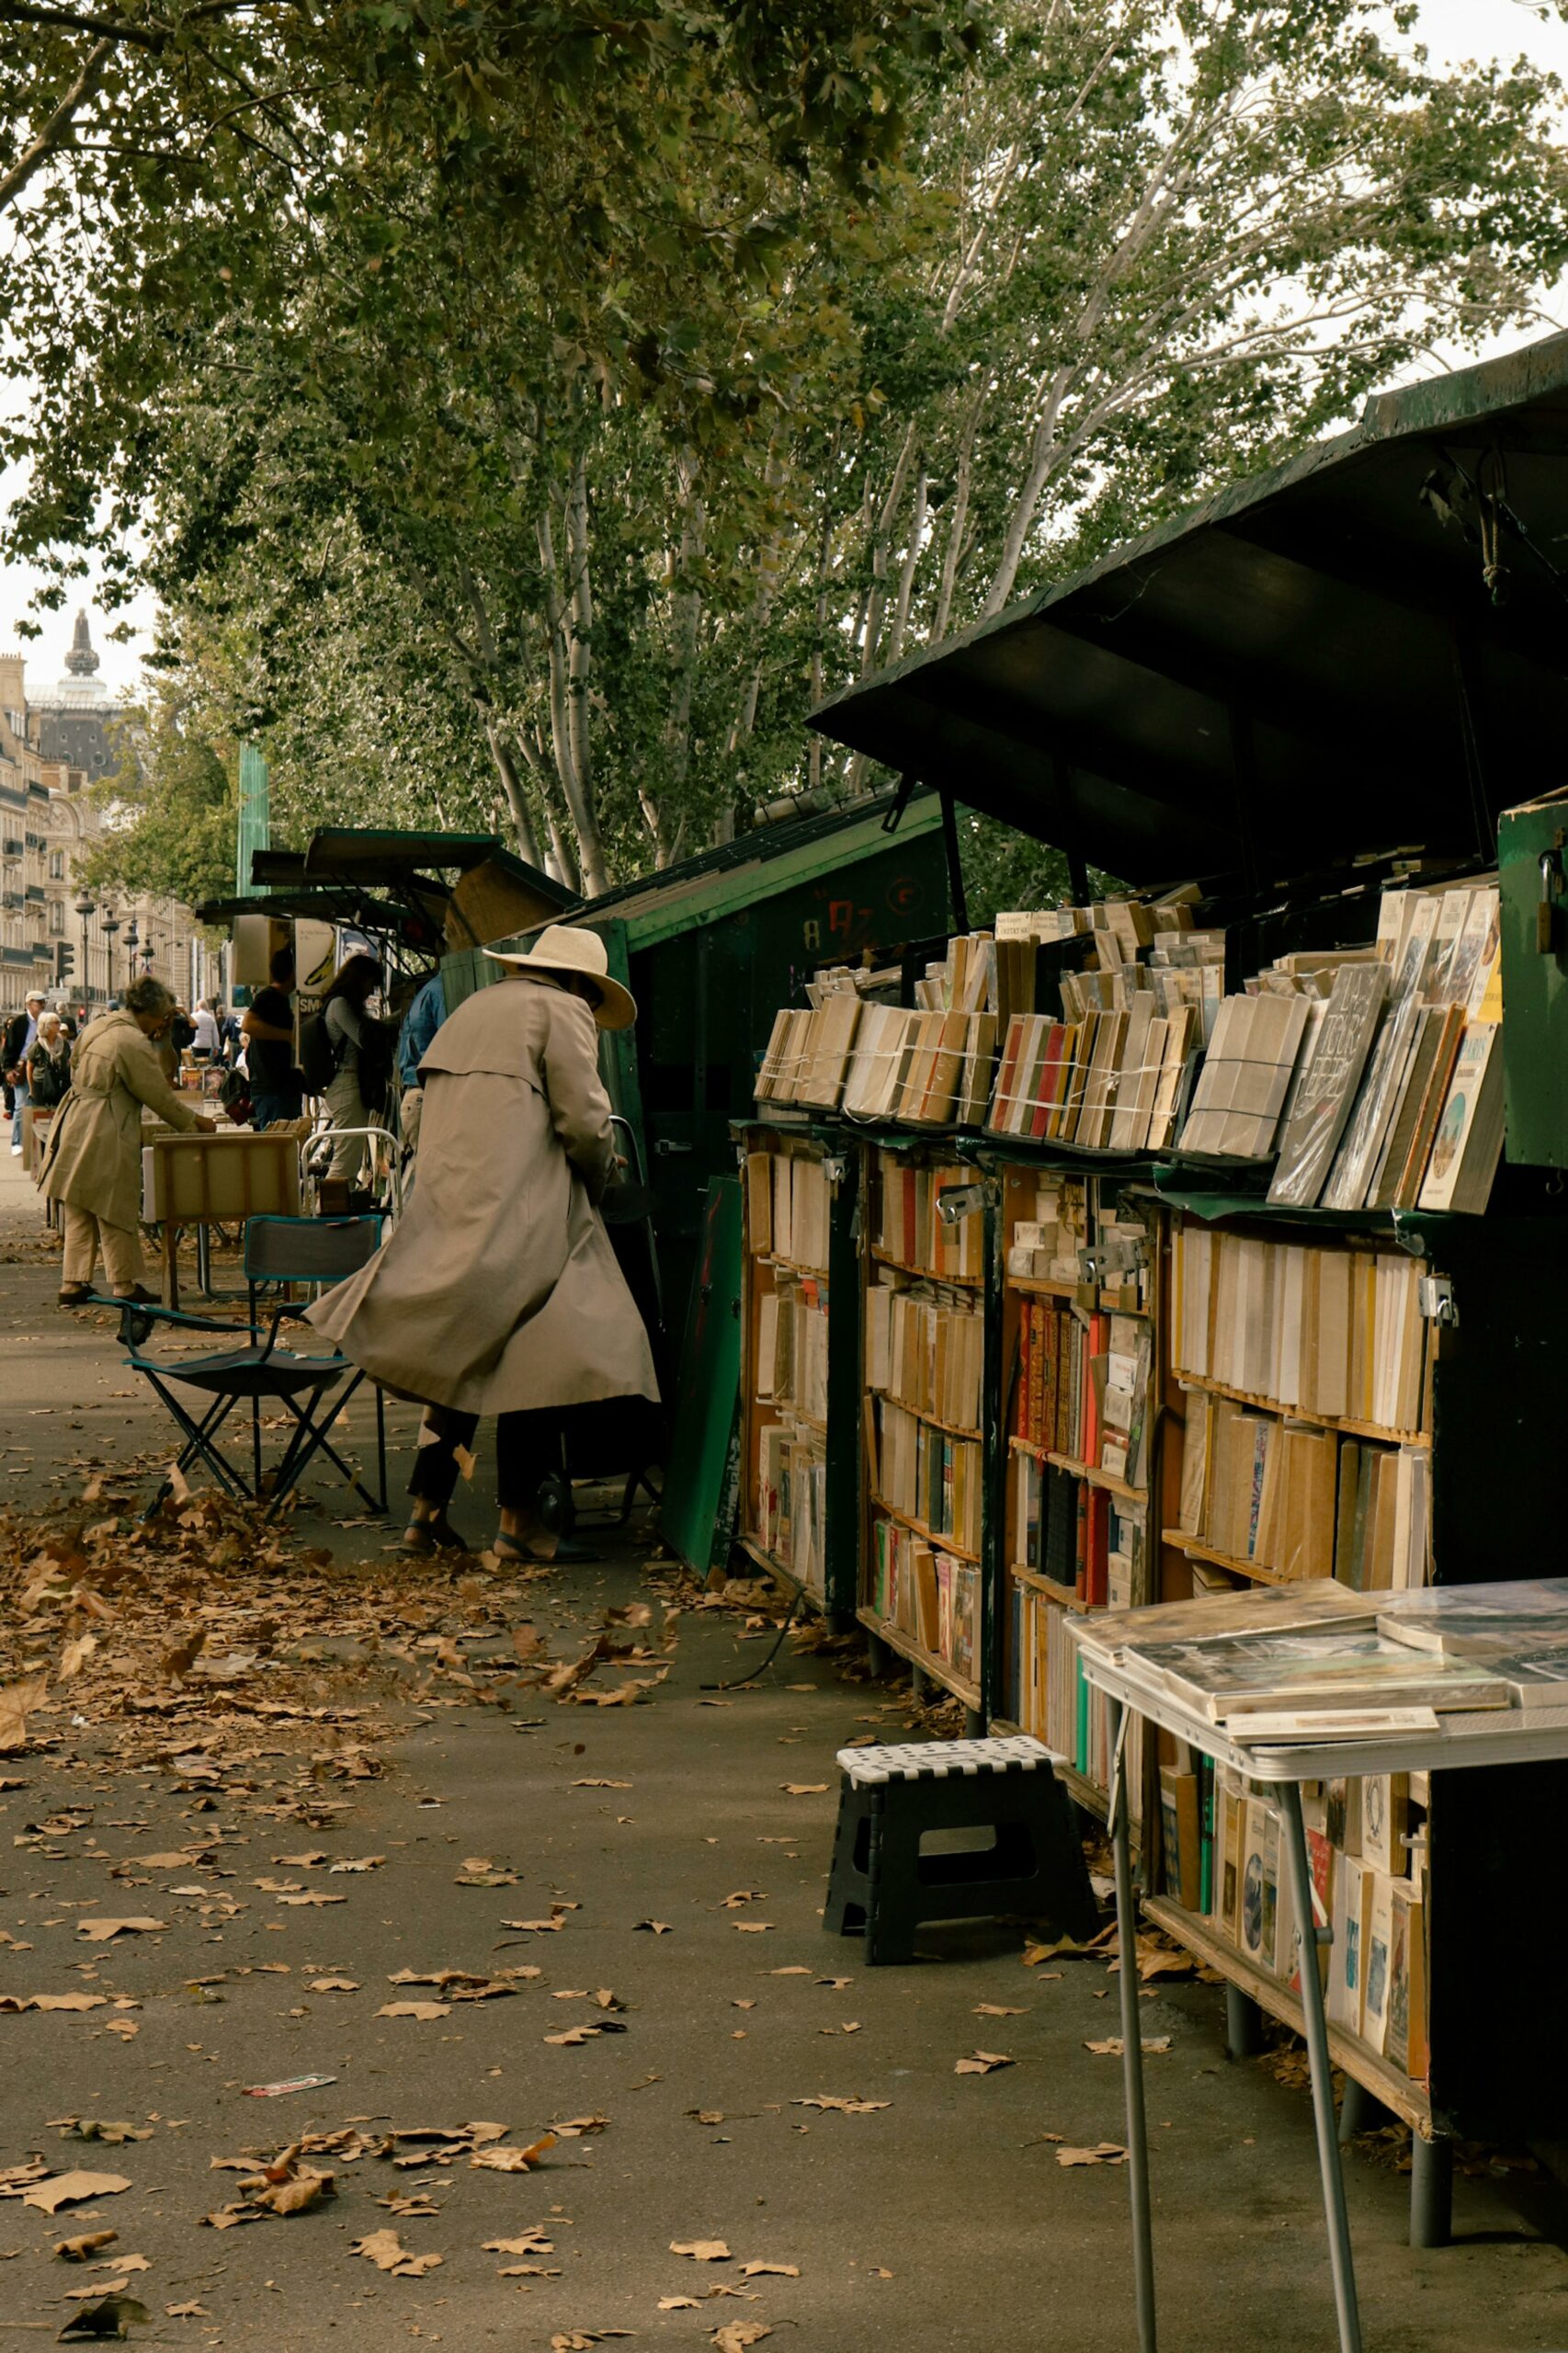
x=136 y=1297
x=75 y=1294
x=436 y=1534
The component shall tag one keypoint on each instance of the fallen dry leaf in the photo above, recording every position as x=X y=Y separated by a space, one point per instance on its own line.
x=299 y=1902
x=998 y=2010
x=112 y=2315
x=532 y=2243
x=739 y=2334
x=98 y=1932
x=386 y=2251
x=701 y=2250
x=983 y=2062
x=804 y=1789
x=514 y=2160
x=1112 y=2047
x=17 y=1702
x=415 y=2010
x=658 y=1927
x=598 y=1785
x=774 y=2271
x=1105 y=2153
x=74 y=1657
x=188 y=2312
x=333 y=1986
x=843 y=2107
x=71 y=2189
x=680 y=2304
x=77 y=2250
x=63 y=2002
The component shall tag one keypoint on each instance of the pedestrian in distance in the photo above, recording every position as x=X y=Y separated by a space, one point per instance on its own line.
x=206 y=1033
x=92 y=1164
x=358 y=1051
x=49 y=1063
x=21 y=1032
x=267 y=1027
x=498 y=1292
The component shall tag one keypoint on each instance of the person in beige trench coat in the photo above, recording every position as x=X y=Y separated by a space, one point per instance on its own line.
x=498 y=1292
x=92 y=1162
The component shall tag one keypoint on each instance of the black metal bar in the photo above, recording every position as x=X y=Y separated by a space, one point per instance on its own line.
x=1431 y=2190
x=955 y=864
x=1243 y=2024
x=900 y=800
x=1468 y=688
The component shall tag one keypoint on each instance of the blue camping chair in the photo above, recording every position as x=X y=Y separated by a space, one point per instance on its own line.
x=321 y=1251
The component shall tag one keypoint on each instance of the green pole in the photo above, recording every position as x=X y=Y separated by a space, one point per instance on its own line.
x=253 y=831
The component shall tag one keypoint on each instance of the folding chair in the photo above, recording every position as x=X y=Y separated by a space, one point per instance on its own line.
x=278 y=1250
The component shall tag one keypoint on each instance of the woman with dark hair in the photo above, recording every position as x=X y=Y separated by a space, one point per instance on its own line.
x=358 y=1091
x=92 y=1162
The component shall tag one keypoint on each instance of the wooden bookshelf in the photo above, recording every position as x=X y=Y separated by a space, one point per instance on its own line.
x=917 y=1528
x=1090 y=1471
x=924 y=1273
x=793 y=1266
x=934 y=1421
x=1398 y=2092
x=1347 y=1428
x=938 y=1669
x=1195 y=1550
x=1039 y=1581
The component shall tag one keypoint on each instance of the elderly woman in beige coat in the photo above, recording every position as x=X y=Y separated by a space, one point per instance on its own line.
x=92 y=1164
x=499 y=1292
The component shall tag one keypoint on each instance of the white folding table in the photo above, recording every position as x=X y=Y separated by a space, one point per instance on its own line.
x=1489 y=1736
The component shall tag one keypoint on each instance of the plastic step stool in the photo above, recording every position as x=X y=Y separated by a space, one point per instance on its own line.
x=891 y=1799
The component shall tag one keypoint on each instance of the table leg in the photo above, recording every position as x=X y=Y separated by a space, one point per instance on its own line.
x=1338 y=2217
x=1132 y=2050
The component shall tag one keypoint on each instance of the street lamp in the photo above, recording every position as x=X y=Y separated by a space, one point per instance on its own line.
x=108 y=924
x=131 y=937
x=84 y=907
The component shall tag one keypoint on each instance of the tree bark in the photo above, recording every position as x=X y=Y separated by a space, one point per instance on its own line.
x=56 y=131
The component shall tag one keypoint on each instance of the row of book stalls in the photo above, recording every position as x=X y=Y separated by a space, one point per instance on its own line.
x=1205 y=1237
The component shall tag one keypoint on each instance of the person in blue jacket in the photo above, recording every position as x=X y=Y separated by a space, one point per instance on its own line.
x=420 y=1023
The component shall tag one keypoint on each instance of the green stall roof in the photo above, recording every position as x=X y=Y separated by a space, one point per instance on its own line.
x=759 y=865
x=1311 y=665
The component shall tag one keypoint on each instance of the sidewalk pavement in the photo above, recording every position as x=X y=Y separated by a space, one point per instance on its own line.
x=722 y=2077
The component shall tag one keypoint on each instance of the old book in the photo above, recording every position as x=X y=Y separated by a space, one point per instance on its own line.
x=1453 y=910
x=759 y=1203
x=832 y=1040
x=1381 y=1096
x=1385 y=1804
x=1167 y=1097
x=1128 y=1125
x=1217 y=1617
x=1435 y=1093
x=979 y=1068
x=1299 y=1727
x=1195 y=1463
x=1514 y=1612
x=1429 y=1025
x=1404 y=2037
x=1474 y=951
x=1346 y=1987
x=1328 y=1091
x=1380 y=1944
x=1231 y=1675
x=1469 y=1142
x=1180 y=1830
x=1415 y=948
x=769 y=1075
x=1003 y=1093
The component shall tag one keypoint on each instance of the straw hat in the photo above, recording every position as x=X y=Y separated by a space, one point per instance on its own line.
x=563 y=948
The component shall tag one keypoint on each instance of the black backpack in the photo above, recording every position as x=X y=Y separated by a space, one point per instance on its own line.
x=318 y=1056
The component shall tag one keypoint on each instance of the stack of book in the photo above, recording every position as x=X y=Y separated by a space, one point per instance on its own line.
x=789 y=1200
x=1110 y=1081
x=1334 y=1333
x=1050 y=1697
x=1082 y=1387
x=926 y=1070
x=1299 y=1501
x=1078 y=1535
x=928 y=1595
x=908 y=1231
x=924 y=1349
x=930 y=1479
x=791 y=1502
x=791 y=1346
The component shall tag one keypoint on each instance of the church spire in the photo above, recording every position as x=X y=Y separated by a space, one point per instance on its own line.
x=82 y=661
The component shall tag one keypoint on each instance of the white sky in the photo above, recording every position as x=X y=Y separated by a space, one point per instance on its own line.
x=1452 y=30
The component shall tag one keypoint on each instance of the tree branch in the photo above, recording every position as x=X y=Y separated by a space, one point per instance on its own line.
x=56 y=133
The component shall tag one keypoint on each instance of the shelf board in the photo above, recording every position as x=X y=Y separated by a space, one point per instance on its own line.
x=791 y=1265
x=927 y=1274
x=1196 y=1550
x=1097 y=1302
x=780 y=1571
x=952 y=1430
x=1038 y=1287
x=1299 y=1413
x=1087 y=1471
x=938 y=1669
x=918 y=1528
x=1084 y=1792
x=1037 y=1581
x=1398 y=2092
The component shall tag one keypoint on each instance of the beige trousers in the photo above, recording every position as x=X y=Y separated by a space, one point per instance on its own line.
x=343 y=1101
x=85 y=1235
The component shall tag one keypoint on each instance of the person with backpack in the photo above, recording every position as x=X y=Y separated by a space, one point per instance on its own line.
x=277 y=1086
x=347 y=1054
x=49 y=1063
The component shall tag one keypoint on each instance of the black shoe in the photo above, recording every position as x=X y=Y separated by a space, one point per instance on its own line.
x=436 y=1534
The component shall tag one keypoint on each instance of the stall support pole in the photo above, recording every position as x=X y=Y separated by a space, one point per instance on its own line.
x=1131 y=2041
x=1431 y=2190
x=1335 y=2211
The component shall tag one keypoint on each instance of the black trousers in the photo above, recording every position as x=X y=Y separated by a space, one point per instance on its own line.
x=527 y=1449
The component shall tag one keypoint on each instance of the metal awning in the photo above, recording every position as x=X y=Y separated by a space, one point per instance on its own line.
x=342 y=905
x=1313 y=666
x=384 y=859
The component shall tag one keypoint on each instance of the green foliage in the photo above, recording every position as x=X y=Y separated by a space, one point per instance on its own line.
x=527 y=415
x=173 y=804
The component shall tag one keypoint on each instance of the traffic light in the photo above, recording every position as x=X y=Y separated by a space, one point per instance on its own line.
x=65 y=959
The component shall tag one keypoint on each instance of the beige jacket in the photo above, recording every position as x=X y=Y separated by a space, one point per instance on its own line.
x=499 y=1290
x=93 y=1157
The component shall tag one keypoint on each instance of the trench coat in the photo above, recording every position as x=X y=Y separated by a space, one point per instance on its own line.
x=498 y=1290
x=93 y=1157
